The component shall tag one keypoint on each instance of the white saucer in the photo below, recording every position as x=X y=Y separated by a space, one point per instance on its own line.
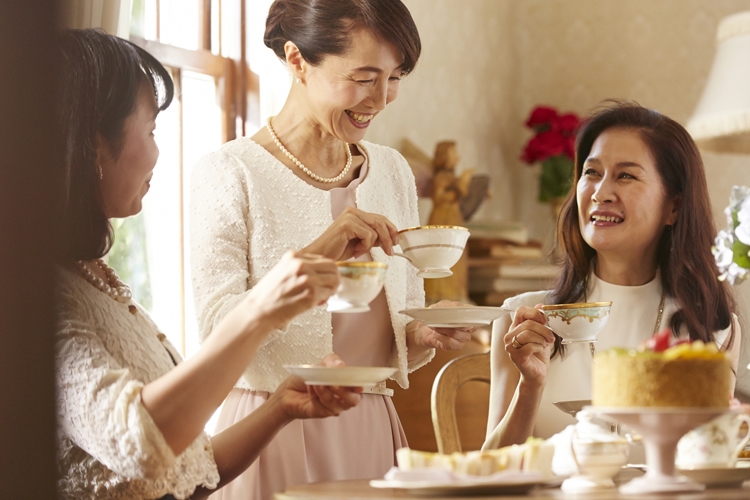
x=455 y=317
x=724 y=477
x=345 y=376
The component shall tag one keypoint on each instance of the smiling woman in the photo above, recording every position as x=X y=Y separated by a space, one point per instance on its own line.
x=308 y=180
x=637 y=232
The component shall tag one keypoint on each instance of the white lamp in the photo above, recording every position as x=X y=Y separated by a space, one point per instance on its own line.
x=721 y=121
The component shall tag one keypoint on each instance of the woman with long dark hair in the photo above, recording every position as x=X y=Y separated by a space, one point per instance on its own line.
x=637 y=230
x=130 y=413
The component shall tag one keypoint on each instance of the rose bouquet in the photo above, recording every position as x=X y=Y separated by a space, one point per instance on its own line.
x=554 y=146
x=732 y=245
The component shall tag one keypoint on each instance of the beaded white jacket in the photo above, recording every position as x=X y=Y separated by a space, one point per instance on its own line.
x=247 y=209
x=108 y=445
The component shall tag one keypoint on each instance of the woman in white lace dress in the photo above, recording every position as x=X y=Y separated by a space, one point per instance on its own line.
x=308 y=180
x=130 y=417
x=636 y=230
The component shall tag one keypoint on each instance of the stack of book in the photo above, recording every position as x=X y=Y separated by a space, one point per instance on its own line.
x=503 y=262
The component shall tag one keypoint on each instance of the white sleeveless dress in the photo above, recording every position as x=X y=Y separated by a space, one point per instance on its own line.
x=632 y=321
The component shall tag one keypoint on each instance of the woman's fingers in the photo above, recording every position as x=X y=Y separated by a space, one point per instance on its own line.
x=524 y=313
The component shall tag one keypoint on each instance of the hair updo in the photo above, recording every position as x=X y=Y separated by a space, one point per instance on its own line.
x=320 y=28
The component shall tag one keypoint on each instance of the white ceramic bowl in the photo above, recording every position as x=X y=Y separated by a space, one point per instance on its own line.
x=360 y=283
x=580 y=322
x=433 y=249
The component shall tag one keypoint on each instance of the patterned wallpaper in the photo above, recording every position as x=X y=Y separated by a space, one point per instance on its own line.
x=486 y=63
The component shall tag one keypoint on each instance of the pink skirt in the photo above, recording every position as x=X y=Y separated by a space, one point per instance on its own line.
x=358 y=444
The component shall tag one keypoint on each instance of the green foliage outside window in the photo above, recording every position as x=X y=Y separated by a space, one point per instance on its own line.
x=128 y=257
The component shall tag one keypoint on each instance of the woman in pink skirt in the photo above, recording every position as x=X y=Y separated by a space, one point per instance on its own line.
x=308 y=181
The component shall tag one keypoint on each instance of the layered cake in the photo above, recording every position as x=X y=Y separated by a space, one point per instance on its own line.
x=533 y=456
x=663 y=373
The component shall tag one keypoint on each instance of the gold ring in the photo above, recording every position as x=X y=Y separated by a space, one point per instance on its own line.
x=515 y=343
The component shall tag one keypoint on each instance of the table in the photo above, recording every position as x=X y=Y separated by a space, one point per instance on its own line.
x=361 y=490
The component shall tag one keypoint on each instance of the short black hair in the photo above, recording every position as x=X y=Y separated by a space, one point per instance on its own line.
x=100 y=76
x=323 y=27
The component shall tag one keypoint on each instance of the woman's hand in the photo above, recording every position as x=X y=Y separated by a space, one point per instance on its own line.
x=294 y=285
x=354 y=233
x=447 y=339
x=315 y=401
x=529 y=344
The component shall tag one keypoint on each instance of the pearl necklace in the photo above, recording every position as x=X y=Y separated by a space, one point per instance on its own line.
x=114 y=287
x=327 y=180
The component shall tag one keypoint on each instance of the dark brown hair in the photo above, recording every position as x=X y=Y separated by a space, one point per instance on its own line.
x=99 y=79
x=321 y=28
x=687 y=268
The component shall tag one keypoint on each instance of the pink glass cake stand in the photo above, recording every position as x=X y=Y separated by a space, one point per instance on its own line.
x=661 y=429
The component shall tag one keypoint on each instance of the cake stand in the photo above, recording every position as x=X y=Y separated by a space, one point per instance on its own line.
x=661 y=429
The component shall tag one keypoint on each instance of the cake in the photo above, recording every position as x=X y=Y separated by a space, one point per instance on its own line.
x=533 y=456
x=663 y=373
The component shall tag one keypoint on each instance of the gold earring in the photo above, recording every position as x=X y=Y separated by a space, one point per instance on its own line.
x=101 y=174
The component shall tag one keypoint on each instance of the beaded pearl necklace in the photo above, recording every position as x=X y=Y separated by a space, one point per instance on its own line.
x=327 y=180
x=114 y=287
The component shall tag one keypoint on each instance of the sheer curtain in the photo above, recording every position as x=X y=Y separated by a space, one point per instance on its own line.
x=113 y=16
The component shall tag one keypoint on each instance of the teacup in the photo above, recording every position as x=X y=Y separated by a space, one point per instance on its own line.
x=360 y=283
x=580 y=322
x=433 y=249
x=598 y=454
x=715 y=444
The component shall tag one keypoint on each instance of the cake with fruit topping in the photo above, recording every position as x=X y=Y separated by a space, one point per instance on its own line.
x=665 y=372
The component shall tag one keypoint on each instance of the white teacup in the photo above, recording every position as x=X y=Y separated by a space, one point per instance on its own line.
x=360 y=283
x=598 y=454
x=580 y=322
x=433 y=249
x=715 y=444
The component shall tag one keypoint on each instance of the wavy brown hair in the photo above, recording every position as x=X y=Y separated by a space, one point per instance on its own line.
x=687 y=269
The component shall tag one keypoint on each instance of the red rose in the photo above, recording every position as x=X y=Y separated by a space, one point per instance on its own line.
x=541 y=115
x=570 y=147
x=568 y=122
x=544 y=145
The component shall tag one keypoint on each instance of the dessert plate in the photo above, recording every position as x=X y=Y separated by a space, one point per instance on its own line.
x=725 y=477
x=456 y=317
x=344 y=376
x=445 y=483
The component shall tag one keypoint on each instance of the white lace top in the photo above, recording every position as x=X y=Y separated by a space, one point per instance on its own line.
x=248 y=209
x=108 y=445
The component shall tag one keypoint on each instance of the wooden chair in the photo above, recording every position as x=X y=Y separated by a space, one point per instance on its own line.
x=474 y=367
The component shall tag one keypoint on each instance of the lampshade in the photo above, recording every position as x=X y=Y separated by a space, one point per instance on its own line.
x=721 y=121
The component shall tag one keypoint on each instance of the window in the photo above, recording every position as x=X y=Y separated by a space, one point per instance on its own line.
x=202 y=43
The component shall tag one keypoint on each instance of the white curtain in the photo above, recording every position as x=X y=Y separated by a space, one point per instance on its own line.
x=113 y=16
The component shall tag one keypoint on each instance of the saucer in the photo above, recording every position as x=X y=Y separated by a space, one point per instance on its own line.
x=344 y=376
x=455 y=317
x=722 y=477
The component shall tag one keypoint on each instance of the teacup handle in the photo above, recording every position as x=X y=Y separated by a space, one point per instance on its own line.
x=744 y=440
x=397 y=254
x=573 y=436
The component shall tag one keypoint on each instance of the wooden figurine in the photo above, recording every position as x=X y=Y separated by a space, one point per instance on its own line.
x=448 y=190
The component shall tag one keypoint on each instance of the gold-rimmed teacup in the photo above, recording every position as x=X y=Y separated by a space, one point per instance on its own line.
x=360 y=283
x=433 y=250
x=579 y=322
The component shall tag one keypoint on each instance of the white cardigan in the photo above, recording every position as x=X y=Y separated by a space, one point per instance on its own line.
x=247 y=209
x=108 y=445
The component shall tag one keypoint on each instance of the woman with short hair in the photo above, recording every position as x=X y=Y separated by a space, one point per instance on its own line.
x=308 y=180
